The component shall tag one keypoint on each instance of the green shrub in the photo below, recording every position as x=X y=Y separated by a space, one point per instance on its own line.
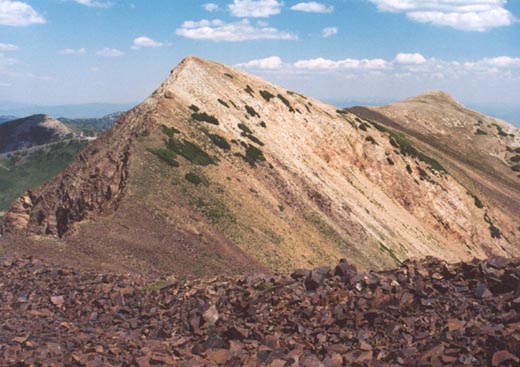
x=249 y=91
x=204 y=117
x=229 y=75
x=406 y=148
x=194 y=108
x=195 y=179
x=516 y=168
x=191 y=152
x=286 y=102
x=251 y=111
x=515 y=159
x=263 y=124
x=266 y=95
x=219 y=141
x=166 y=155
x=390 y=161
x=364 y=126
x=254 y=155
x=223 y=103
x=371 y=139
x=409 y=169
x=379 y=127
x=477 y=201
x=244 y=128
x=480 y=132
x=170 y=131
x=254 y=139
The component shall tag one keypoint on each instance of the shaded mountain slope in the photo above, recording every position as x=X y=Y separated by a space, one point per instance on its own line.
x=30 y=131
x=221 y=171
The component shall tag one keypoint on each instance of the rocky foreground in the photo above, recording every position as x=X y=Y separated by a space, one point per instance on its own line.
x=426 y=313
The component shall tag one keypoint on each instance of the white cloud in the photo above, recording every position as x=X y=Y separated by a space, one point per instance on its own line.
x=269 y=63
x=95 y=4
x=467 y=15
x=255 y=8
x=93 y=69
x=110 y=52
x=326 y=64
x=492 y=65
x=7 y=47
x=409 y=59
x=18 y=14
x=329 y=32
x=313 y=7
x=211 y=7
x=6 y=61
x=217 y=30
x=143 y=41
x=71 y=51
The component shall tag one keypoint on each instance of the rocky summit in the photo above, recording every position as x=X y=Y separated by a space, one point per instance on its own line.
x=221 y=172
x=426 y=313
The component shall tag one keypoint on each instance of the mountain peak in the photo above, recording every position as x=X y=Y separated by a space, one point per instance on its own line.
x=434 y=97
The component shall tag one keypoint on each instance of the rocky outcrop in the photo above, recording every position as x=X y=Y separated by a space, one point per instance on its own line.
x=426 y=313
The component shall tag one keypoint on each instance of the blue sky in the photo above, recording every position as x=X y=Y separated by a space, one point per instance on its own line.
x=82 y=51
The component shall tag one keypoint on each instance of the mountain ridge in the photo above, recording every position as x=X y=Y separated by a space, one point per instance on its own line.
x=221 y=167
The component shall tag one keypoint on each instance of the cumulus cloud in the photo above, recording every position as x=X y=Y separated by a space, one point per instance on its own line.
x=326 y=64
x=71 y=51
x=143 y=42
x=269 y=63
x=95 y=4
x=211 y=7
x=18 y=14
x=6 y=61
x=313 y=7
x=110 y=52
x=409 y=59
x=255 y=8
x=7 y=47
x=218 y=30
x=329 y=32
x=467 y=15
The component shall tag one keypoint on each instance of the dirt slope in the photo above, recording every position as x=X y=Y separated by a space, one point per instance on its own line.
x=221 y=171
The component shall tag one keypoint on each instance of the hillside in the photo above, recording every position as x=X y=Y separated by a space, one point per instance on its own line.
x=5 y=118
x=481 y=151
x=30 y=168
x=30 y=131
x=91 y=126
x=221 y=172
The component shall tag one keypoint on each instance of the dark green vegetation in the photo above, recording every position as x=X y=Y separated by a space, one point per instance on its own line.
x=196 y=179
x=251 y=111
x=371 y=140
x=22 y=171
x=515 y=159
x=91 y=127
x=223 y=103
x=266 y=95
x=244 y=129
x=190 y=151
x=263 y=124
x=219 y=141
x=253 y=155
x=480 y=132
x=204 y=117
x=254 y=139
x=500 y=131
x=167 y=155
x=229 y=75
x=405 y=146
x=478 y=202
x=390 y=253
x=170 y=131
x=249 y=91
x=364 y=126
x=286 y=102
x=194 y=108
x=516 y=168
x=494 y=231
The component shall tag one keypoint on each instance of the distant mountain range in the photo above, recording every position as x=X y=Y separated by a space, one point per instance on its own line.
x=73 y=111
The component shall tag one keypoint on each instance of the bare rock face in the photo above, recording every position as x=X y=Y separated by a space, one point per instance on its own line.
x=219 y=170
